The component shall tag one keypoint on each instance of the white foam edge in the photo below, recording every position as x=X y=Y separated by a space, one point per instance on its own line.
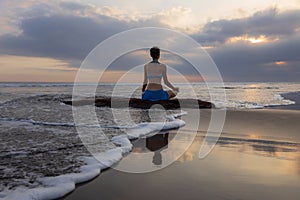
x=59 y=186
x=71 y=124
x=280 y=97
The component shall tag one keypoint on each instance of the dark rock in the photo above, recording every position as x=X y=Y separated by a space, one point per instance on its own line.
x=138 y=103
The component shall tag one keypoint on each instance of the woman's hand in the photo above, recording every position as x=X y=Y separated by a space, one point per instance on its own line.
x=144 y=87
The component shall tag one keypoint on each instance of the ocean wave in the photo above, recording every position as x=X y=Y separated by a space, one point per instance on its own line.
x=36 y=84
x=247 y=88
x=237 y=104
x=59 y=186
x=24 y=84
x=285 y=101
x=144 y=126
x=70 y=124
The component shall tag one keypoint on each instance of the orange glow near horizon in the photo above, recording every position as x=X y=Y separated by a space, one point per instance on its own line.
x=39 y=69
x=281 y=63
x=35 y=69
x=251 y=40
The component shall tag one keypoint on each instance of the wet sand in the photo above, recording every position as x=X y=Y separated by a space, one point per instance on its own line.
x=257 y=157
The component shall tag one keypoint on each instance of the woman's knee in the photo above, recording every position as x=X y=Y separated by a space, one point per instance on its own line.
x=171 y=94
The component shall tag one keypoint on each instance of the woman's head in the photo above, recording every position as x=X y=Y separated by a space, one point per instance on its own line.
x=155 y=52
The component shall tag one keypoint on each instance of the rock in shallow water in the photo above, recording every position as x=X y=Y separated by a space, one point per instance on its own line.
x=138 y=103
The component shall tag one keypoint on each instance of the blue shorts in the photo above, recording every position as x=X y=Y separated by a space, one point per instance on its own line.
x=155 y=95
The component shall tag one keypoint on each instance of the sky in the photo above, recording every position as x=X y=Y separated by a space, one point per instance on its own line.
x=250 y=40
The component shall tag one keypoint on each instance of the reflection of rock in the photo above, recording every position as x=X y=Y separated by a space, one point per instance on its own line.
x=157 y=142
x=138 y=103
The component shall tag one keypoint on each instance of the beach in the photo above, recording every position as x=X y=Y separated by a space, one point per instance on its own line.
x=257 y=157
x=149 y=100
x=45 y=155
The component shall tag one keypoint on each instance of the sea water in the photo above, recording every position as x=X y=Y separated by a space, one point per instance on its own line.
x=42 y=156
x=238 y=95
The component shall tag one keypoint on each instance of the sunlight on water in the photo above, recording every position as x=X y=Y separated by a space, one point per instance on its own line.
x=253 y=162
x=238 y=95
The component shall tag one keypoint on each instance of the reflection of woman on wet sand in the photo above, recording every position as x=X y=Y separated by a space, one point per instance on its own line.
x=157 y=143
x=154 y=72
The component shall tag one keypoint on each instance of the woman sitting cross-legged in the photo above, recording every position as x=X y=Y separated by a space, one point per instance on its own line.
x=154 y=72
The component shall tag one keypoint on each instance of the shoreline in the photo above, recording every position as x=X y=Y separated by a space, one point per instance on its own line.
x=236 y=121
x=293 y=96
x=54 y=187
x=242 y=123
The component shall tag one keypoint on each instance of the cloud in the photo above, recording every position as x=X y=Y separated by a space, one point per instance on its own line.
x=62 y=37
x=247 y=49
x=245 y=62
x=73 y=6
x=270 y=23
x=180 y=18
x=140 y=57
x=68 y=31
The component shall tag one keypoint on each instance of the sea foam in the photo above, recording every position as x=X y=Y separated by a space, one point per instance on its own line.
x=59 y=186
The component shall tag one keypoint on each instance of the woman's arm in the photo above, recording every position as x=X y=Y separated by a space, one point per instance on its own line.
x=145 y=82
x=166 y=81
